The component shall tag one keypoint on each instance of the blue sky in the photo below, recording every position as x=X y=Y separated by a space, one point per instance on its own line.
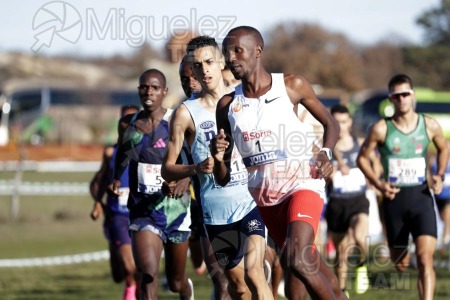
x=106 y=27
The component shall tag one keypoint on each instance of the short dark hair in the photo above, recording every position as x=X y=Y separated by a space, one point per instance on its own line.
x=200 y=42
x=398 y=79
x=123 y=108
x=184 y=61
x=252 y=31
x=339 y=109
x=154 y=71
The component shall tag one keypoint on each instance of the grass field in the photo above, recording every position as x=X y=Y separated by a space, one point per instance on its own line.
x=52 y=226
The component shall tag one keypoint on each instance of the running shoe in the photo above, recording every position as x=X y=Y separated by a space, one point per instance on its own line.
x=191 y=286
x=331 y=250
x=346 y=293
x=361 y=280
x=129 y=293
x=267 y=271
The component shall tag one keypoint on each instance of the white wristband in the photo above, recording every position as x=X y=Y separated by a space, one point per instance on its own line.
x=327 y=151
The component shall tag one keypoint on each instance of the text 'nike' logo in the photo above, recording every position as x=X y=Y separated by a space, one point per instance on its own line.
x=303 y=216
x=268 y=101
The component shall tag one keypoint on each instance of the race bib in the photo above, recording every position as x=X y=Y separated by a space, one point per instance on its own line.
x=149 y=178
x=123 y=198
x=353 y=182
x=238 y=172
x=264 y=158
x=408 y=171
x=446 y=182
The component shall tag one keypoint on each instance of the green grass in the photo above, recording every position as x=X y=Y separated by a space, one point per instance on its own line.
x=50 y=226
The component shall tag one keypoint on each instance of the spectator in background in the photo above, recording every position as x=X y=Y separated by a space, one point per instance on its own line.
x=116 y=216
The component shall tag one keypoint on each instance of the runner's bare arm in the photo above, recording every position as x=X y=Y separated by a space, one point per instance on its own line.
x=376 y=136
x=100 y=181
x=121 y=160
x=436 y=135
x=222 y=144
x=301 y=91
x=180 y=123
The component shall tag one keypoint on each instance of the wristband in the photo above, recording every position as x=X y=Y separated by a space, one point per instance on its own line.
x=328 y=152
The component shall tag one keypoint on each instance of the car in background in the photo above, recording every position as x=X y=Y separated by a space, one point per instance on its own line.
x=61 y=112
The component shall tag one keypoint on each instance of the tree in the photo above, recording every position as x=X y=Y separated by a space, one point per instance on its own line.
x=323 y=57
x=436 y=23
x=381 y=61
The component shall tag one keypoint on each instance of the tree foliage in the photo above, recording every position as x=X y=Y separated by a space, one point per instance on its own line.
x=328 y=58
x=333 y=61
x=436 y=23
x=321 y=56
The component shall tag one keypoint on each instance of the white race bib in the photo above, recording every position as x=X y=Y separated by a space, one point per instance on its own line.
x=123 y=198
x=238 y=173
x=353 y=182
x=149 y=178
x=407 y=170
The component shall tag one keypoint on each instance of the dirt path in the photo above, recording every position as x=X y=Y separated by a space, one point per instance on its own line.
x=53 y=152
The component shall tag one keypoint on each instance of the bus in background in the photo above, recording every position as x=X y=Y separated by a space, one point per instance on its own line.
x=34 y=111
x=376 y=105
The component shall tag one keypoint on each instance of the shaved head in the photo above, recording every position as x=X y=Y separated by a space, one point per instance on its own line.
x=248 y=30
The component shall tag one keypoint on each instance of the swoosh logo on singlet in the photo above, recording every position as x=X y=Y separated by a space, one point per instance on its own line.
x=303 y=216
x=268 y=101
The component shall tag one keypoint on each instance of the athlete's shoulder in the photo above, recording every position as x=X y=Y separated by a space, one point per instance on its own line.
x=430 y=121
x=294 y=81
x=379 y=129
x=181 y=113
x=432 y=125
x=225 y=100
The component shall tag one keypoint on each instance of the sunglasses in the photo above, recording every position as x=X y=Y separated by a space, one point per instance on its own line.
x=398 y=95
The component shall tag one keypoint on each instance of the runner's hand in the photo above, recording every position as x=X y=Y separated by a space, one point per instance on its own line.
x=113 y=188
x=180 y=188
x=324 y=167
x=437 y=184
x=389 y=190
x=167 y=188
x=206 y=166
x=97 y=210
x=345 y=170
x=219 y=145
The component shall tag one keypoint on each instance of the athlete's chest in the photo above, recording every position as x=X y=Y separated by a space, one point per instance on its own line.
x=261 y=114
